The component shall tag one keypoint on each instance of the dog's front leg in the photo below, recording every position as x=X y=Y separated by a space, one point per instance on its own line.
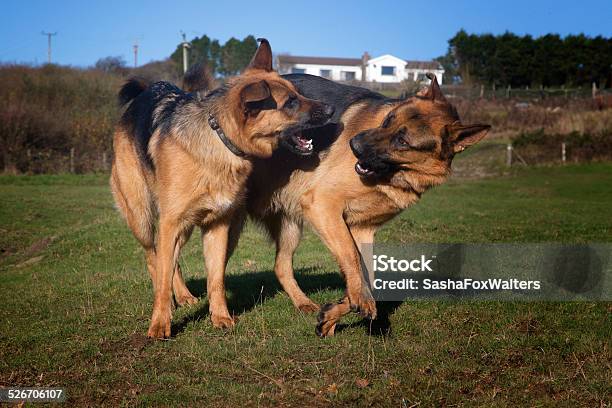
x=215 y=245
x=167 y=255
x=329 y=223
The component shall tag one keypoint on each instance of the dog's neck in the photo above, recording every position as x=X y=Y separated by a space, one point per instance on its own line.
x=202 y=141
x=214 y=125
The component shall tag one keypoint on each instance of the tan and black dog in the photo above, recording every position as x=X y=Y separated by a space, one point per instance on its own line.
x=183 y=161
x=375 y=158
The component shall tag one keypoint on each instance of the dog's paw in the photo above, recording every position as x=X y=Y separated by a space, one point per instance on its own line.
x=363 y=304
x=308 y=307
x=327 y=319
x=160 y=325
x=365 y=308
x=186 y=300
x=222 y=321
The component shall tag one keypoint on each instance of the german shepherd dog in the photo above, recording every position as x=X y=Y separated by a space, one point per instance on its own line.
x=376 y=157
x=183 y=161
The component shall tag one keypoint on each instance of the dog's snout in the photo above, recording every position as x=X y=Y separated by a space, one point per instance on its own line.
x=328 y=110
x=356 y=146
x=321 y=113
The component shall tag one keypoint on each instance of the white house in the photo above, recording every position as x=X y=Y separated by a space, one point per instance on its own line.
x=386 y=68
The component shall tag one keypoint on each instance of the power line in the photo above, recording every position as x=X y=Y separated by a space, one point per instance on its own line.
x=49 y=35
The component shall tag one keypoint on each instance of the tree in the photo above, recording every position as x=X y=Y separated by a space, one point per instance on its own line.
x=115 y=65
x=508 y=59
x=227 y=59
x=236 y=54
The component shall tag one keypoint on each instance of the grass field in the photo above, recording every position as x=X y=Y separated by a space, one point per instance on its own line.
x=76 y=301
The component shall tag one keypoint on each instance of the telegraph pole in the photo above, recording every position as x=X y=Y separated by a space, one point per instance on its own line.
x=135 y=54
x=49 y=35
x=185 y=47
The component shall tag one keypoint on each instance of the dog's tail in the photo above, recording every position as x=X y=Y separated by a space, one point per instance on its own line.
x=198 y=78
x=131 y=89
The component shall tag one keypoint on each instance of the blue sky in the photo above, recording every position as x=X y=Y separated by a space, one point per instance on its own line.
x=88 y=30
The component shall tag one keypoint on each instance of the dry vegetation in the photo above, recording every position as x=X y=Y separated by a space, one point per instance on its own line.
x=47 y=112
x=555 y=115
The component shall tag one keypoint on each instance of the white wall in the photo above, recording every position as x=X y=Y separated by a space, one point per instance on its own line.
x=374 y=69
x=336 y=70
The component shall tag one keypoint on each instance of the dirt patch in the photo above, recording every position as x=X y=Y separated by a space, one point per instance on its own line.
x=39 y=246
x=135 y=343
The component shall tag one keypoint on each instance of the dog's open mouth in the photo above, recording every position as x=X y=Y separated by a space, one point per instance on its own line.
x=299 y=144
x=363 y=170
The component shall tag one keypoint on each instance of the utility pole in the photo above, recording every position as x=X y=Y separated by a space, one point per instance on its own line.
x=135 y=54
x=185 y=45
x=49 y=35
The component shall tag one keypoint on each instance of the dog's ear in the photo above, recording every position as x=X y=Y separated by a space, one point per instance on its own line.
x=263 y=57
x=433 y=92
x=253 y=95
x=464 y=136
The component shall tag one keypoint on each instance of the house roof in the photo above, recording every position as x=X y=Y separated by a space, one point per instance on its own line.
x=423 y=65
x=294 y=59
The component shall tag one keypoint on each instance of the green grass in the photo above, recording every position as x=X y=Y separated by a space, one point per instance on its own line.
x=76 y=301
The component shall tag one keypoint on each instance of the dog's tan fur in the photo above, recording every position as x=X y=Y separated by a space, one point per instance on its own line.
x=194 y=180
x=346 y=209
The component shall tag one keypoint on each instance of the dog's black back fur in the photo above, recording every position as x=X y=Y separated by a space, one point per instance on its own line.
x=332 y=93
x=141 y=118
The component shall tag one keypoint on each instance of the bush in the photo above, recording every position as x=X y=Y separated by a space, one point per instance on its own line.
x=47 y=111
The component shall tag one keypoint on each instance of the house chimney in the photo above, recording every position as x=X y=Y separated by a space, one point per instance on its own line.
x=364 y=64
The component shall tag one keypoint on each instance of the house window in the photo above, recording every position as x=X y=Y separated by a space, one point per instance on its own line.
x=325 y=73
x=348 y=76
x=387 y=71
x=295 y=70
x=421 y=77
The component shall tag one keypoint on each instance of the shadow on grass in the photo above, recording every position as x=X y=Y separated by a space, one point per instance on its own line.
x=244 y=291
x=381 y=326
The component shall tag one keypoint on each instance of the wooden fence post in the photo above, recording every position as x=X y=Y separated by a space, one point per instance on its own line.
x=104 y=161
x=508 y=92
x=563 y=153
x=72 y=160
x=594 y=90
x=509 y=155
x=481 y=91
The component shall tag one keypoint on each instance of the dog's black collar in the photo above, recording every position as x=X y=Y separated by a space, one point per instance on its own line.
x=214 y=125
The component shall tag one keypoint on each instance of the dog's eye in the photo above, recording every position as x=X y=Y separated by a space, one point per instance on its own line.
x=291 y=102
x=388 y=120
x=401 y=138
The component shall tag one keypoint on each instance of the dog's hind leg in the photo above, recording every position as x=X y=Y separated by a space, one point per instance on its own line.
x=182 y=295
x=133 y=198
x=238 y=221
x=287 y=234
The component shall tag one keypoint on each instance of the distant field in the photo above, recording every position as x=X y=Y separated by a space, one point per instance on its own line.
x=76 y=301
